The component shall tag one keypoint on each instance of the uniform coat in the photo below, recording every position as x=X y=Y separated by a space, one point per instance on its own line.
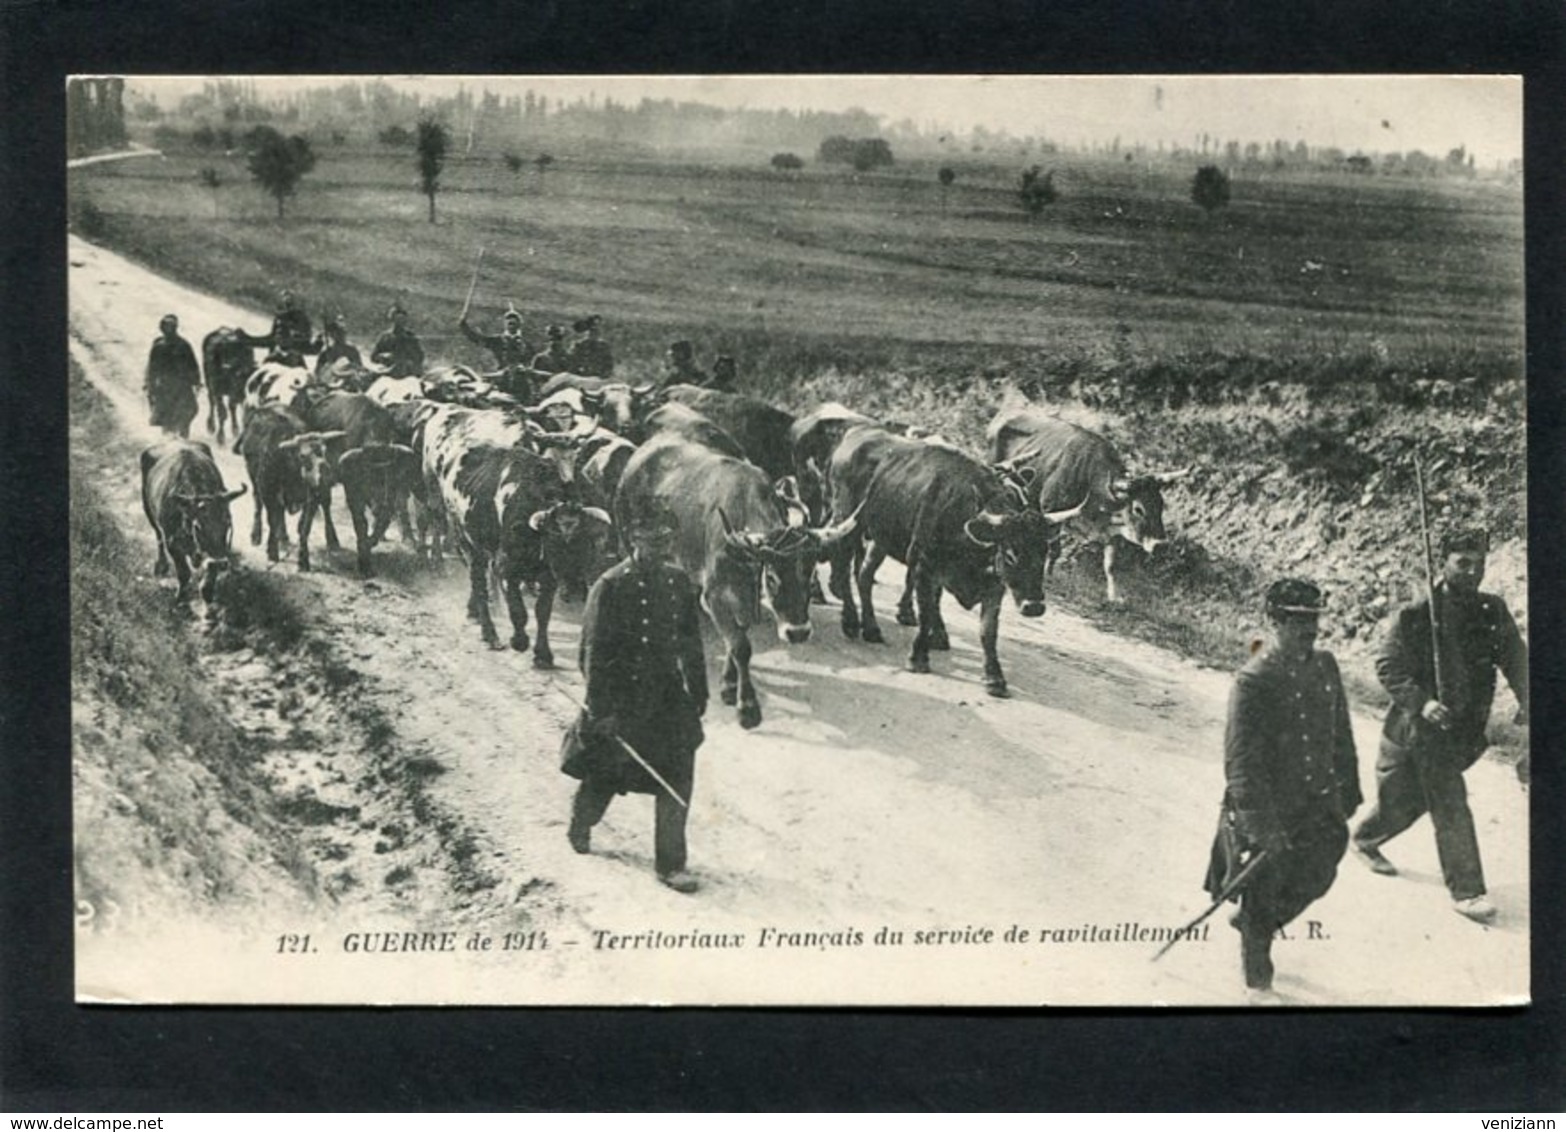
x=173 y=376
x=1420 y=767
x=1292 y=772
x=400 y=352
x=641 y=656
x=507 y=349
x=592 y=357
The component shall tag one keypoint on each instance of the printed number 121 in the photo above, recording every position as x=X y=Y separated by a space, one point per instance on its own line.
x=293 y=945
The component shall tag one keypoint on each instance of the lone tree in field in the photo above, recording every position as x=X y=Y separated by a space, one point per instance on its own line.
x=787 y=161
x=277 y=163
x=432 y=143
x=946 y=176
x=543 y=161
x=864 y=154
x=1037 y=190
x=211 y=179
x=513 y=162
x=1210 y=188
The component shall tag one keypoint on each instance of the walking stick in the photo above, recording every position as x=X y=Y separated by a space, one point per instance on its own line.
x=636 y=758
x=1430 y=579
x=1417 y=752
x=1229 y=890
x=473 y=283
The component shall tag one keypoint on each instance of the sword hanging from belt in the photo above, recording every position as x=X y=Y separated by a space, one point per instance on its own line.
x=636 y=758
x=1229 y=890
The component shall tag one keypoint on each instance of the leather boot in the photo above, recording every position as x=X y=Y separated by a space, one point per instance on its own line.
x=1256 y=958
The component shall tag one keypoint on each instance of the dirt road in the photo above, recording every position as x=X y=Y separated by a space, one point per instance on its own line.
x=870 y=802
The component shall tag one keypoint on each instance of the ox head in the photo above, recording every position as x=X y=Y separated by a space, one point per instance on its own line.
x=577 y=544
x=1139 y=506
x=786 y=556
x=206 y=522
x=559 y=448
x=620 y=407
x=380 y=474
x=310 y=449
x=1019 y=536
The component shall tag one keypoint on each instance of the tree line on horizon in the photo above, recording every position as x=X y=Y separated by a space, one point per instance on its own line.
x=490 y=122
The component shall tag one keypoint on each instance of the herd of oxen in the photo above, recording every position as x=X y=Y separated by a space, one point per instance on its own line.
x=531 y=489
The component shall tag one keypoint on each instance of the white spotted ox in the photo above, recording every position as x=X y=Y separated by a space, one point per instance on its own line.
x=508 y=510
x=1071 y=464
x=185 y=500
x=274 y=383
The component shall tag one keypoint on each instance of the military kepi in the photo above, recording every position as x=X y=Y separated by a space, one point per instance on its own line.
x=1294 y=596
x=1470 y=540
x=656 y=519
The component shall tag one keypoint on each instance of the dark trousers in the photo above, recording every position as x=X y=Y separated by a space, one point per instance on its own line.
x=592 y=800
x=1285 y=886
x=1407 y=787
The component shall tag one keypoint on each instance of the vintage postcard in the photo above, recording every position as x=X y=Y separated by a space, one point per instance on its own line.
x=812 y=541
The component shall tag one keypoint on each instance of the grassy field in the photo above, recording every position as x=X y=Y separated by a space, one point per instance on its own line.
x=1295 y=346
x=795 y=273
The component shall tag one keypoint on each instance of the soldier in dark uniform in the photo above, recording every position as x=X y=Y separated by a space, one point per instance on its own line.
x=336 y=348
x=173 y=377
x=641 y=656
x=724 y=376
x=398 y=350
x=556 y=357
x=508 y=347
x=682 y=366
x=290 y=338
x=1293 y=779
x=591 y=355
x=1434 y=730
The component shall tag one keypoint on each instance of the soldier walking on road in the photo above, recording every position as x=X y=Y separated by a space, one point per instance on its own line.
x=1435 y=729
x=682 y=367
x=646 y=675
x=556 y=357
x=290 y=338
x=399 y=350
x=1293 y=780
x=173 y=377
x=336 y=348
x=591 y=356
x=508 y=347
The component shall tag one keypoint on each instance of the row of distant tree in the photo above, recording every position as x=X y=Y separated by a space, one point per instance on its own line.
x=495 y=123
x=279 y=163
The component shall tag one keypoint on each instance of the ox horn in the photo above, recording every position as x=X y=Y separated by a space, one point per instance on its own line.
x=787 y=489
x=1058 y=517
x=230 y=496
x=987 y=520
x=1166 y=478
x=598 y=513
x=829 y=537
x=293 y=442
x=538 y=518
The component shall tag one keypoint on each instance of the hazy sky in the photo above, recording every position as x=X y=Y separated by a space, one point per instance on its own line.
x=1432 y=113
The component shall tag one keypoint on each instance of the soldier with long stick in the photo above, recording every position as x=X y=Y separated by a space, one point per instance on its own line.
x=1438 y=662
x=1293 y=781
x=646 y=676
